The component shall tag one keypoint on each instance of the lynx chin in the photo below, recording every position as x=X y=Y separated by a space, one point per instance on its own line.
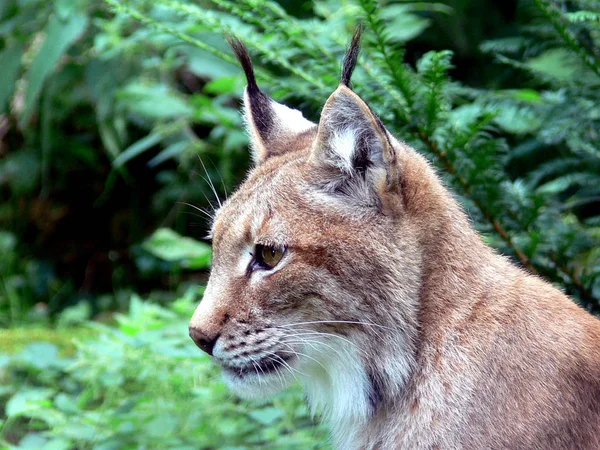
x=344 y=263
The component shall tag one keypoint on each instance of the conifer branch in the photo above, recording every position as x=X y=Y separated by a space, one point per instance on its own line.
x=589 y=58
x=586 y=294
x=196 y=12
x=259 y=19
x=118 y=6
x=396 y=68
x=466 y=186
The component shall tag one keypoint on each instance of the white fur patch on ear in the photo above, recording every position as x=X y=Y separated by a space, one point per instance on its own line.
x=271 y=125
x=343 y=144
x=290 y=120
x=259 y=152
x=350 y=136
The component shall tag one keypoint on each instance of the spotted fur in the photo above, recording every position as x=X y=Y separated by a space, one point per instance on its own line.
x=405 y=330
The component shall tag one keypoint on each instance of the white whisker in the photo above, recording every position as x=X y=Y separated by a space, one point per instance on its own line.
x=320 y=333
x=256 y=367
x=338 y=321
x=209 y=181
x=306 y=356
x=286 y=365
x=204 y=194
x=310 y=342
x=279 y=375
x=197 y=208
x=222 y=181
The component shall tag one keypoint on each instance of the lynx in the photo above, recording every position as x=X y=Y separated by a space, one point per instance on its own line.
x=343 y=262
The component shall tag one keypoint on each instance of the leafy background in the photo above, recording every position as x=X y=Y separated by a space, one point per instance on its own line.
x=120 y=129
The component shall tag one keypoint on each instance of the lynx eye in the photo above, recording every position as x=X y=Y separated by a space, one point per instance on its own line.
x=268 y=256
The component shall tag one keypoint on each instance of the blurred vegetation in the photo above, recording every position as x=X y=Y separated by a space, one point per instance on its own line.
x=120 y=130
x=139 y=385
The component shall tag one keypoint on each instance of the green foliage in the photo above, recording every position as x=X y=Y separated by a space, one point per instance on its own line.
x=104 y=136
x=187 y=253
x=20 y=282
x=561 y=187
x=140 y=384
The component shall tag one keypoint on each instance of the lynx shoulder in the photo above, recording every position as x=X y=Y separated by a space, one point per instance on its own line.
x=344 y=263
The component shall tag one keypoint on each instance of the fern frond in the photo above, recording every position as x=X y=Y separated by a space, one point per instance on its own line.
x=393 y=59
x=569 y=181
x=583 y=16
x=269 y=17
x=212 y=23
x=510 y=45
x=589 y=58
x=201 y=14
x=587 y=5
x=433 y=69
x=554 y=168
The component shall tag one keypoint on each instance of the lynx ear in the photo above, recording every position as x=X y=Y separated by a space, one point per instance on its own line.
x=351 y=137
x=271 y=125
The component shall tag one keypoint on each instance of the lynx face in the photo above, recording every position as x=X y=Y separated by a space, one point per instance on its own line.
x=308 y=254
x=273 y=319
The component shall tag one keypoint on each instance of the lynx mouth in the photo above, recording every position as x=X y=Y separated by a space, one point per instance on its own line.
x=259 y=367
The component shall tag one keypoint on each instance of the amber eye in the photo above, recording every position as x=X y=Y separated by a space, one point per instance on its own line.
x=268 y=256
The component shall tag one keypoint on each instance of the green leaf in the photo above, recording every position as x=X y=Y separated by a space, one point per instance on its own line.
x=527 y=95
x=434 y=64
x=223 y=85
x=517 y=120
x=154 y=101
x=79 y=431
x=57 y=444
x=8 y=241
x=59 y=37
x=10 y=61
x=69 y=8
x=402 y=25
x=40 y=355
x=32 y=441
x=26 y=401
x=565 y=182
x=4 y=362
x=136 y=149
x=583 y=16
x=66 y=404
x=206 y=64
x=75 y=315
x=167 y=245
x=557 y=63
x=20 y=170
x=161 y=426
x=266 y=416
x=171 y=151
x=109 y=139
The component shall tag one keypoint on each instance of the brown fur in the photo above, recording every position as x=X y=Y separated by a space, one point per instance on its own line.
x=449 y=344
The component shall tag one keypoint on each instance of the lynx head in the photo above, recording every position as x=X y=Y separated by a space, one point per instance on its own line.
x=317 y=262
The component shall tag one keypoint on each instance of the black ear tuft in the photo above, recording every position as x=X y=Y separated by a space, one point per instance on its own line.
x=273 y=127
x=241 y=53
x=351 y=57
x=259 y=102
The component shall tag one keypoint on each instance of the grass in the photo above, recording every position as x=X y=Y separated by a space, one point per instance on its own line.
x=16 y=339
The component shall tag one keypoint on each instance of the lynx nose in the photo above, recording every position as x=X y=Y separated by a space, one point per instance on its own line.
x=203 y=340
